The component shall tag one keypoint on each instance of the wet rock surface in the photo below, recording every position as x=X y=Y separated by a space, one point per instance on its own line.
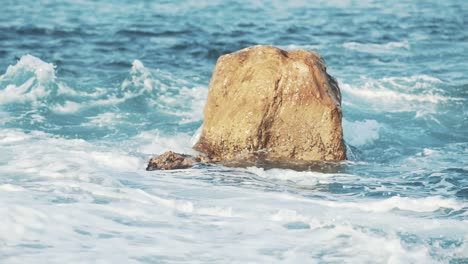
x=174 y=161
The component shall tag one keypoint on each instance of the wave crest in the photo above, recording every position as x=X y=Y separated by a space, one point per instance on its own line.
x=361 y=133
x=397 y=94
x=376 y=48
x=32 y=96
x=30 y=78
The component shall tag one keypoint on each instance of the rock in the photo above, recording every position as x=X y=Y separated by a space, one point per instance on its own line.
x=266 y=103
x=202 y=159
x=174 y=161
x=170 y=161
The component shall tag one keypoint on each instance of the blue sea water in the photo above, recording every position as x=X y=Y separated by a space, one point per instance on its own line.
x=89 y=90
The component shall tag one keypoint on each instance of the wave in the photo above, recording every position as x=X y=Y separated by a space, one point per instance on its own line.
x=34 y=81
x=427 y=204
x=68 y=183
x=360 y=133
x=31 y=93
x=418 y=205
x=11 y=188
x=40 y=154
x=377 y=48
x=155 y=142
x=418 y=93
x=169 y=92
x=291 y=47
x=29 y=79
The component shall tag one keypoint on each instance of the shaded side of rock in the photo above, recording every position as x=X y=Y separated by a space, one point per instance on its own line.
x=174 y=161
x=267 y=103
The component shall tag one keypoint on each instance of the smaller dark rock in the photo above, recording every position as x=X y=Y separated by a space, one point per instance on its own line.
x=174 y=161
x=170 y=161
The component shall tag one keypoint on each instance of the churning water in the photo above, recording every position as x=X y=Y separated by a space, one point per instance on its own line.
x=89 y=90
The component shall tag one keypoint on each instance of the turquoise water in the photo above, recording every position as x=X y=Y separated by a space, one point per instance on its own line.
x=90 y=90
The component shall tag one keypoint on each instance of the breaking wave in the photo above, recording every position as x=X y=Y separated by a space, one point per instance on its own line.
x=376 y=48
x=32 y=95
x=419 y=93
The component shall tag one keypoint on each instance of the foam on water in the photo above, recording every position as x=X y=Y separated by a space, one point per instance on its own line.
x=29 y=66
x=11 y=188
x=41 y=155
x=398 y=94
x=105 y=183
x=376 y=48
x=166 y=91
x=154 y=142
x=360 y=133
x=67 y=108
x=28 y=80
x=428 y=204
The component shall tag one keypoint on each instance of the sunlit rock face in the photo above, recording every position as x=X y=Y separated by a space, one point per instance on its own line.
x=267 y=103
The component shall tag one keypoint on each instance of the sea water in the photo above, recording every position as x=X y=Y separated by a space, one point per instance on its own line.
x=90 y=90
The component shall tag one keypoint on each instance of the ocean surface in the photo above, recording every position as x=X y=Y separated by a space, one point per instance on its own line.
x=90 y=90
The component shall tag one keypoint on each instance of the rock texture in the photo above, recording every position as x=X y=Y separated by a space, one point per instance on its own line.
x=174 y=161
x=170 y=161
x=267 y=103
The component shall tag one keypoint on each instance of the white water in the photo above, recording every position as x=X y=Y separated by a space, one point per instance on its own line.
x=78 y=198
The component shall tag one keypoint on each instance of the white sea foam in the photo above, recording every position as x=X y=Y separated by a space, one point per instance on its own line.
x=417 y=93
x=287 y=215
x=78 y=191
x=18 y=221
x=141 y=77
x=384 y=247
x=196 y=136
x=196 y=98
x=12 y=136
x=108 y=119
x=291 y=47
x=167 y=92
x=24 y=92
x=359 y=133
x=189 y=207
x=47 y=156
x=11 y=188
x=114 y=159
x=429 y=152
x=376 y=48
x=426 y=204
x=67 y=107
x=307 y=179
x=154 y=142
x=285 y=175
x=31 y=80
x=310 y=178
x=27 y=80
x=29 y=65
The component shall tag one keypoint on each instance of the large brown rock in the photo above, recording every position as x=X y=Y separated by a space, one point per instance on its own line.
x=267 y=103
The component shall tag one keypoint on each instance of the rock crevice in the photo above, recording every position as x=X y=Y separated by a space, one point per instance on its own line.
x=264 y=129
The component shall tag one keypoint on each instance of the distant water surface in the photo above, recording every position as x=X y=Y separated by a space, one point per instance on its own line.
x=89 y=90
